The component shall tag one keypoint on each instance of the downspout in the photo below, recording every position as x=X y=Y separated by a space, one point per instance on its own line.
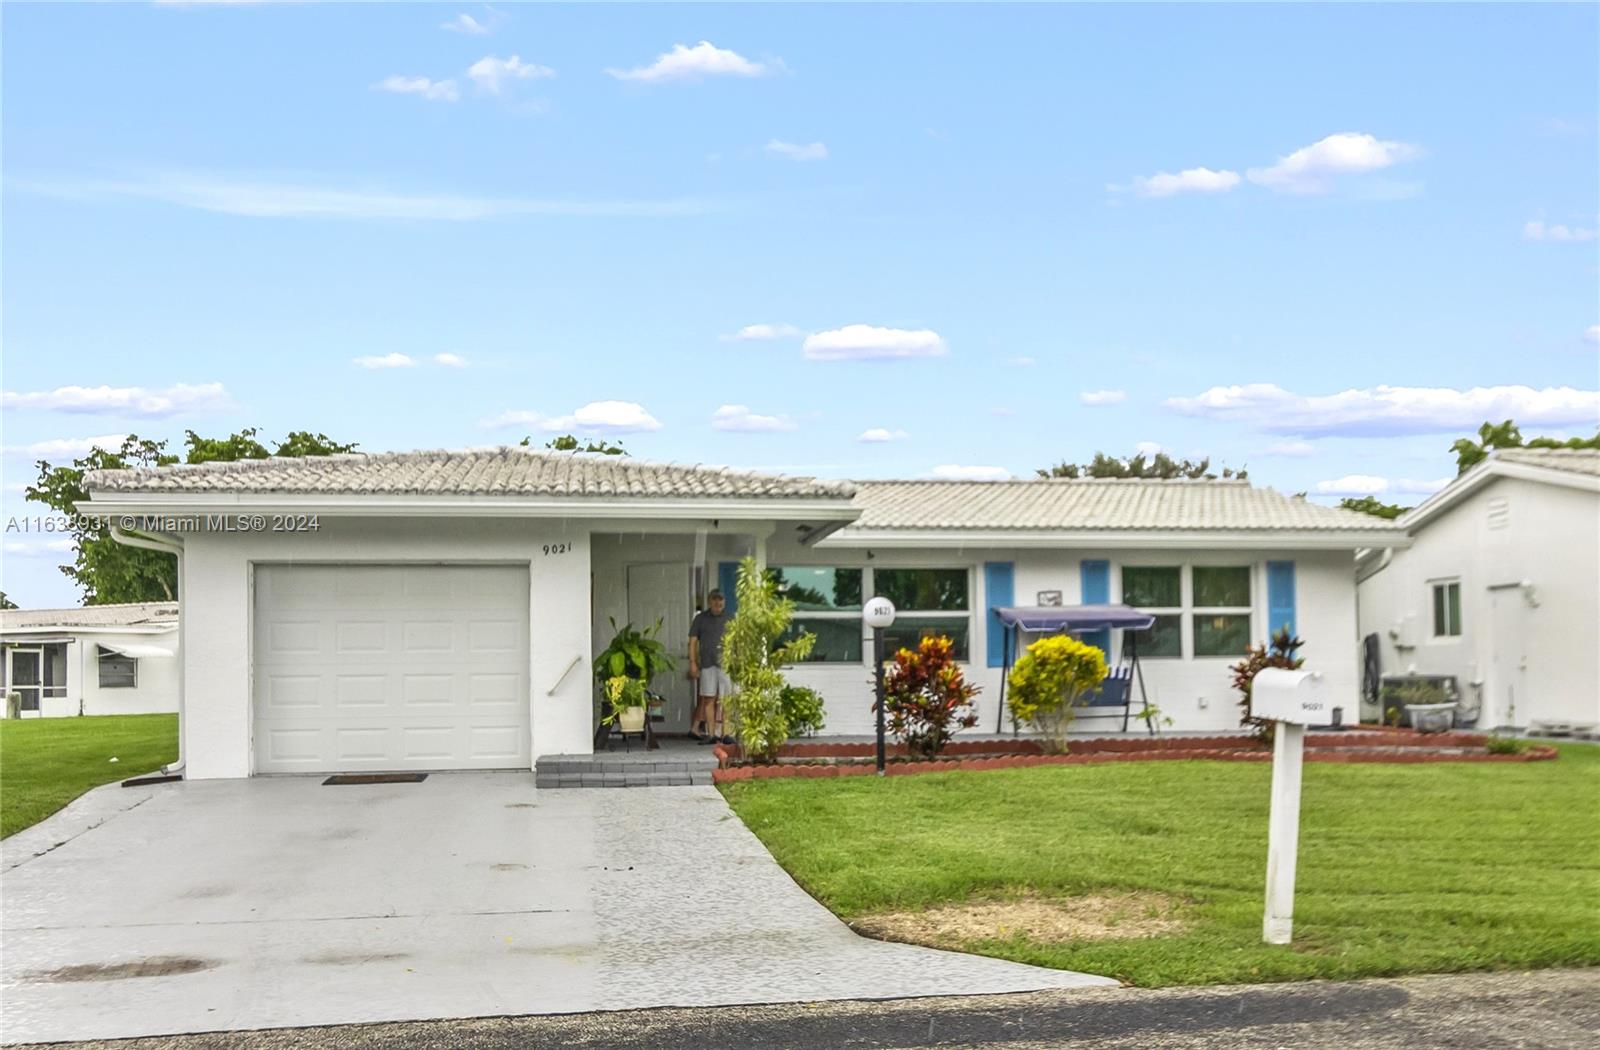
x=174 y=546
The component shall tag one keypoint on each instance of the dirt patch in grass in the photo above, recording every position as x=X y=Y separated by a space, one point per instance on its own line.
x=1047 y=920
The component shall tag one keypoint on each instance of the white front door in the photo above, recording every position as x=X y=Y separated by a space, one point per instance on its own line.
x=390 y=667
x=660 y=590
x=1508 y=660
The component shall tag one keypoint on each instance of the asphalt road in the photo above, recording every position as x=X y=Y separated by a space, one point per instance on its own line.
x=1553 y=1008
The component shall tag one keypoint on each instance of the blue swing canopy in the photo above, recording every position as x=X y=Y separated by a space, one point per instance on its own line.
x=1036 y=619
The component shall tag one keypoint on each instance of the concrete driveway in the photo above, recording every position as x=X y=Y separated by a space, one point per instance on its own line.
x=280 y=902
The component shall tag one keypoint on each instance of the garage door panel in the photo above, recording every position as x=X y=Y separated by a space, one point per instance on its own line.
x=391 y=667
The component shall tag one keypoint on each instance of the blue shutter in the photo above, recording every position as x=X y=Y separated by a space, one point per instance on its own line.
x=727 y=583
x=1094 y=584
x=999 y=588
x=1280 y=596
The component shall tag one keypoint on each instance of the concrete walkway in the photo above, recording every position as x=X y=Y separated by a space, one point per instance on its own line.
x=278 y=902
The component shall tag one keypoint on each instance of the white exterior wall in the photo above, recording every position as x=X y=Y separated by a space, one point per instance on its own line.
x=217 y=605
x=1194 y=692
x=156 y=691
x=1551 y=539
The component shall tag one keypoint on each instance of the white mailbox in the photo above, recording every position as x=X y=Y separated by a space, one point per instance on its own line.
x=1290 y=696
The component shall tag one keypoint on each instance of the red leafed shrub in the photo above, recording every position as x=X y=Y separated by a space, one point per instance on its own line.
x=926 y=698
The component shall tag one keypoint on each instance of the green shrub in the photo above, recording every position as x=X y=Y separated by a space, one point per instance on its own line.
x=1046 y=684
x=1505 y=745
x=752 y=656
x=802 y=709
x=1280 y=654
x=926 y=699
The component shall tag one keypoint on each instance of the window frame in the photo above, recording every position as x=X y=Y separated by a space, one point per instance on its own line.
x=1162 y=610
x=1444 y=584
x=901 y=616
x=100 y=670
x=1195 y=611
x=1187 y=611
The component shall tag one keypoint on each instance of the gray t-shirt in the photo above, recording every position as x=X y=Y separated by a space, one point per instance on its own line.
x=708 y=627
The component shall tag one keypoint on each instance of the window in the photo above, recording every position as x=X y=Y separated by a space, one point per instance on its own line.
x=1221 y=614
x=1217 y=603
x=828 y=604
x=1447 y=609
x=117 y=671
x=1157 y=590
x=927 y=602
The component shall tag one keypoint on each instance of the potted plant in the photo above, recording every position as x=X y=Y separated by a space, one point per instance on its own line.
x=1429 y=708
x=626 y=702
x=633 y=653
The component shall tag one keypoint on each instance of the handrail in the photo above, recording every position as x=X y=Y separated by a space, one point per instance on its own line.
x=576 y=660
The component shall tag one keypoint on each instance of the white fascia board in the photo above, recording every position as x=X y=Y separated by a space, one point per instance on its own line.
x=1481 y=475
x=77 y=630
x=403 y=505
x=1121 y=539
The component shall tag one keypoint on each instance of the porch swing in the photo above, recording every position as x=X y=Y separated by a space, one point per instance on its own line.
x=1043 y=620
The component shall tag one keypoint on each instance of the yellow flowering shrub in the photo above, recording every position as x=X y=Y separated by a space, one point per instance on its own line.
x=1050 y=678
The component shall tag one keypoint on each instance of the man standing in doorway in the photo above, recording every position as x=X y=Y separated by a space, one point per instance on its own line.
x=712 y=683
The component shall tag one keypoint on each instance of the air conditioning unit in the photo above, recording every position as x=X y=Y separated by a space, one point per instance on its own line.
x=1395 y=691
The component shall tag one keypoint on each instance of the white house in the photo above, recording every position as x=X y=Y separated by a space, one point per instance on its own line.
x=439 y=610
x=97 y=660
x=1499 y=589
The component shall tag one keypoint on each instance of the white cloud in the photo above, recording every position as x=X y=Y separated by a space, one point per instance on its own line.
x=38 y=548
x=262 y=198
x=121 y=400
x=1103 y=397
x=1592 y=334
x=618 y=417
x=467 y=25
x=67 y=448
x=433 y=90
x=491 y=73
x=1372 y=485
x=694 y=63
x=1537 y=230
x=878 y=435
x=1308 y=169
x=865 y=342
x=815 y=151
x=761 y=332
x=740 y=418
x=1386 y=410
x=960 y=472
x=1190 y=180
x=1024 y=362
x=1147 y=449
x=450 y=360
x=386 y=361
x=1293 y=449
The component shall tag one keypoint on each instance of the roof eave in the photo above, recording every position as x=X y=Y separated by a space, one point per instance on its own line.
x=1481 y=475
x=1121 y=539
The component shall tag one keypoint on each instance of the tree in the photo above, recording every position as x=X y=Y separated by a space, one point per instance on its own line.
x=1372 y=505
x=1139 y=465
x=752 y=656
x=5 y=602
x=569 y=443
x=1491 y=436
x=108 y=571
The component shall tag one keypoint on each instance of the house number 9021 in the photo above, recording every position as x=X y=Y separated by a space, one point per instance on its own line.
x=557 y=548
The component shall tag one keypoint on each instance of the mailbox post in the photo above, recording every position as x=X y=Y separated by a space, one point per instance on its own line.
x=878 y=614
x=1293 y=699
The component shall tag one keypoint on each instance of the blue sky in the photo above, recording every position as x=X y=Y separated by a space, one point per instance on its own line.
x=1321 y=241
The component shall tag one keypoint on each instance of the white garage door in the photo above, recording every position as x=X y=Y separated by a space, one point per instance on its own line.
x=390 y=667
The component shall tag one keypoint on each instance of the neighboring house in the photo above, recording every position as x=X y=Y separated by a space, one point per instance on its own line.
x=97 y=660
x=1499 y=589
x=440 y=610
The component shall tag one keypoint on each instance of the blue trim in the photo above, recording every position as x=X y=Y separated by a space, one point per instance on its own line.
x=1094 y=588
x=1280 y=596
x=999 y=588
x=728 y=584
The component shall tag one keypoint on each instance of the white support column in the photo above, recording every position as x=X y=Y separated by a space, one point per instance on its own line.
x=1283 y=832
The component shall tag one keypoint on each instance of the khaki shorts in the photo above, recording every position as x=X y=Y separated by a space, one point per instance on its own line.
x=713 y=683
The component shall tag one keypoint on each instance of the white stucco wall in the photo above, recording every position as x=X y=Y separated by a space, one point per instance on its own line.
x=217 y=605
x=156 y=691
x=1194 y=692
x=1550 y=537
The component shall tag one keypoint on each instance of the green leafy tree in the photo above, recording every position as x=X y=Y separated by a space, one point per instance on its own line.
x=1505 y=434
x=1372 y=505
x=107 y=571
x=569 y=443
x=753 y=655
x=5 y=602
x=1139 y=465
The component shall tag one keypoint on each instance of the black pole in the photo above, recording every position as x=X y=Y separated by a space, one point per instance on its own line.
x=877 y=664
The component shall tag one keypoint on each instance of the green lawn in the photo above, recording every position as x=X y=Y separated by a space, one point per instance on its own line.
x=1403 y=869
x=47 y=762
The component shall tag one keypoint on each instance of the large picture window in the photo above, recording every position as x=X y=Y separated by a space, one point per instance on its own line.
x=827 y=603
x=1158 y=590
x=1221 y=615
x=927 y=602
x=1216 y=604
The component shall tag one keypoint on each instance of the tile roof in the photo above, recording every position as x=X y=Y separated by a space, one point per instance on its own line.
x=505 y=471
x=1571 y=460
x=1092 y=504
x=134 y=614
